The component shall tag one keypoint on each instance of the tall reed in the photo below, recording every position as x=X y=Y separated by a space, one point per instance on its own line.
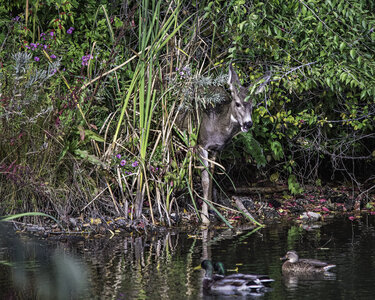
x=154 y=32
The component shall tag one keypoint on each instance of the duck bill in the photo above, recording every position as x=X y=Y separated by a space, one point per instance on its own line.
x=283 y=258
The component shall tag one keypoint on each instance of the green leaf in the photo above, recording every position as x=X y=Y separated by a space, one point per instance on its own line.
x=343 y=76
x=293 y=185
x=363 y=94
x=342 y=46
x=91 y=158
x=277 y=150
x=320 y=27
x=359 y=60
x=352 y=53
x=241 y=25
x=33 y=214
x=93 y=136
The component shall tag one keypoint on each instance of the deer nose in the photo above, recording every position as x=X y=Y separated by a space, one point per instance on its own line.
x=246 y=126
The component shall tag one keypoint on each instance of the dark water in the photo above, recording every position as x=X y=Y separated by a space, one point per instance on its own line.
x=165 y=267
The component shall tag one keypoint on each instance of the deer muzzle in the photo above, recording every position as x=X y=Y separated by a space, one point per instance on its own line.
x=246 y=126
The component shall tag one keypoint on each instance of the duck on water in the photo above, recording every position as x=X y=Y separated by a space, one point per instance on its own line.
x=219 y=282
x=294 y=264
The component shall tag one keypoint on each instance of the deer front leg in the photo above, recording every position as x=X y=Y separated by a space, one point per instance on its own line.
x=206 y=186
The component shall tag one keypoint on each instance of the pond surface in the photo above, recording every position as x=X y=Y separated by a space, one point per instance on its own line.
x=165 y=267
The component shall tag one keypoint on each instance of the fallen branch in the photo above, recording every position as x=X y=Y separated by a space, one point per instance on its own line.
x=244 y=211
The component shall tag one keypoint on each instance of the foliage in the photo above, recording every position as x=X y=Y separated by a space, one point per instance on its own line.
x=87 y=85
x=320 y=104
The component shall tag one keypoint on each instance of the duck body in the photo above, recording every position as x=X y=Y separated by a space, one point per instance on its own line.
x=231 y=283
x=296 y=265
x=263 y=279
x=222 y=284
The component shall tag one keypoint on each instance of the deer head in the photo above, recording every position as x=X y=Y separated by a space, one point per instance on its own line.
x=241 y=105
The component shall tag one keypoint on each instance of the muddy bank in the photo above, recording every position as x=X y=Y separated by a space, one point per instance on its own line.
x=265 y=204
x=273 y=203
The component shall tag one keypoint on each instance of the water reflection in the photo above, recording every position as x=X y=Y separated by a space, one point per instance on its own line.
x=33 y=270
x=292 y=281
x=234 y=295
x=141 y=267
x=166 y=266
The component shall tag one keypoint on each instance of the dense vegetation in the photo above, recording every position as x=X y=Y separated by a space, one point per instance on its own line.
x=90 y=91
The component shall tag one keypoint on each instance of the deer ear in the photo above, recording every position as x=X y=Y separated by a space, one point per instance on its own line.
x=233 y=81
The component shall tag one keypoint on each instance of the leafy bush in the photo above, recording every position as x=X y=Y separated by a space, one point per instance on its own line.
x=84 y=81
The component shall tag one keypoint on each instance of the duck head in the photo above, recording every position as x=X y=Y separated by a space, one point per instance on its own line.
x=207 y=265
x=290 y=256
x=219 y=268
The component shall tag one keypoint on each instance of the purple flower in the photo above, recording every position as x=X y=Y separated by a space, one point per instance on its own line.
x=51 y=34
x=86 y=58
x=70 y=30
x=16 y=19
x=135 y=164
x=45 y=47
x=36 y=58
x=186 y=70
x=123 y=162
x=53 y=56
x=118 y=156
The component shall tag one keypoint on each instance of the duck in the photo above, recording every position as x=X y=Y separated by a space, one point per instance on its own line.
x=221 y=283
x=295 y=265
x=219 y=268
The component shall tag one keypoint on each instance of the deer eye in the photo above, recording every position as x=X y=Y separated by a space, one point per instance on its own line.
x=238 y=104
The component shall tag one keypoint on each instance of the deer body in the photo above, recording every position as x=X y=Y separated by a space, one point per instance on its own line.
x=218 y=126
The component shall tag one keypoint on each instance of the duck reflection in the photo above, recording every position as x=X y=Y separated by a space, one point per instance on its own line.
x=208 y=295
x=292 y=281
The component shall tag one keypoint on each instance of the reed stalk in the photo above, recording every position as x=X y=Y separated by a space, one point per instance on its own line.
x=143 y=94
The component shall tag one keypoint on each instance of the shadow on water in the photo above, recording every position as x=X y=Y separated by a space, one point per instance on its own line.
x=166 y=267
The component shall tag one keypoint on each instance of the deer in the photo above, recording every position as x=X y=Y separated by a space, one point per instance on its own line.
x=218 y=125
